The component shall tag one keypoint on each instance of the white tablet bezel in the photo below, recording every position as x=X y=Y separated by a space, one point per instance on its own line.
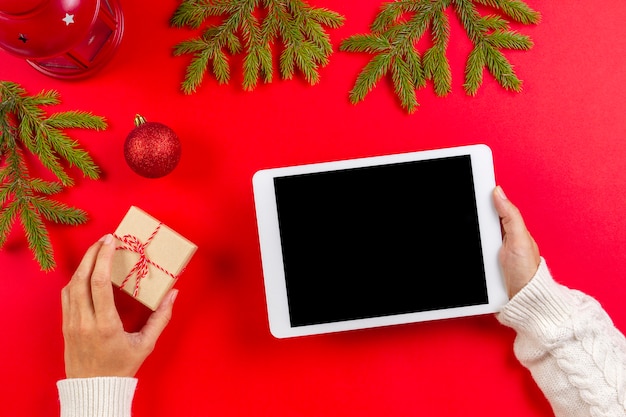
x=271 y=253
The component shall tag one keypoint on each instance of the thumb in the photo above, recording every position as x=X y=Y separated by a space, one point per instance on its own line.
x=159 y=319
x=510 y=217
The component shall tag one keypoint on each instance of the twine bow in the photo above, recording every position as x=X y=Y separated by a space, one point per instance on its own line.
x=140 y=269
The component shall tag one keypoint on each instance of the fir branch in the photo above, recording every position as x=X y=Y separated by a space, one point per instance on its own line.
x=37 y=236
x=252 y=35
x=75 y=119
x=476 y=61
x=8 y=215
x=68 y=150
x=57 y=212
x=43 y=98
x=393 y=43
x=45 y=187
x=192 y=13
x=299 y=28
x=366 y=43
x=24 y=127
x=403 y=84
x=369 y=77
x=191 y=46
x=436 y=65
x=508 y=39
x=400 y=25
x=196 y=70
x=4 y=194
x=515 y=9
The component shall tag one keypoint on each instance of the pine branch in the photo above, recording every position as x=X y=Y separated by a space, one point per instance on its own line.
x=369 y=77
x=37 y=236
x=253 y=61
x=515 y=9
x=393 y=42
x=8 y=216
x=293 y=24
x=45 y=187
x=57 y=212
x=24 y=127
x=69 y=151
x=193 y=12
x=436 y=65
x=75 y=120
x=400 y=25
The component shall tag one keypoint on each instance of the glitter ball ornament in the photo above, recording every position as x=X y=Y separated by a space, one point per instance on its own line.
x=151 y=149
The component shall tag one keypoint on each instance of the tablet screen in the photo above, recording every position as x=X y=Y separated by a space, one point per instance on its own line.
x=380 y=240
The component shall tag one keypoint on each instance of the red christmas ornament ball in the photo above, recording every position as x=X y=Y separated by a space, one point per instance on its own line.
x=151 y=149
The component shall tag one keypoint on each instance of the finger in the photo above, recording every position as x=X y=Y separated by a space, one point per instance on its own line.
x=78 y=289
x=65 y=307
x=101 y=287
x=510 y=217
x=159 y=319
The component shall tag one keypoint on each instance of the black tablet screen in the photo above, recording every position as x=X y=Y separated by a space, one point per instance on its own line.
x=379 y=241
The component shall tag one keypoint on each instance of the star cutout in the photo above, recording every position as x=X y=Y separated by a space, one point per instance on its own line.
x=69 y=18
x=22 y=38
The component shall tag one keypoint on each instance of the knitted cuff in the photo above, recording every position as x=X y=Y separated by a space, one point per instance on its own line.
x=541 y=307
x=96 y=397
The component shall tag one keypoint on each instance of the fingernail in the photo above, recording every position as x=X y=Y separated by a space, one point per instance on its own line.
x=173 y=296
x=500 y=192
x=107 y=239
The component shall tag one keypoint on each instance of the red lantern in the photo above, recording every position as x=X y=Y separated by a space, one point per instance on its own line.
x=62 y=38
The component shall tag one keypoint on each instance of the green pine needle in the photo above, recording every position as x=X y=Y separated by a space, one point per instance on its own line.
x=292 y=24
x=373 y=72
x=76 y=120
x=25 y=127
x=400 y=25
x=403 y=84
x=44 y=187
x=57 y=212
x=195 y=71
x=37 y=236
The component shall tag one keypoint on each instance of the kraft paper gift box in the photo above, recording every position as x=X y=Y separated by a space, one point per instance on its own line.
x=149 y=257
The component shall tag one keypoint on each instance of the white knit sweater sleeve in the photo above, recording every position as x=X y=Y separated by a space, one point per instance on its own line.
x=96 y=397
x=571 y=347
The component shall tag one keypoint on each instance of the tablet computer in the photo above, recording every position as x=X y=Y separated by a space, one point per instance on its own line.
x=379 y=241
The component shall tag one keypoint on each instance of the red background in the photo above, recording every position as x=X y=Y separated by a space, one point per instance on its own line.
x=559 y=151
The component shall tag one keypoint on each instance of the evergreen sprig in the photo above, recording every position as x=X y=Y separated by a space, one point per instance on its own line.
x=290 y=24
x=25 y=127
x=399 y=26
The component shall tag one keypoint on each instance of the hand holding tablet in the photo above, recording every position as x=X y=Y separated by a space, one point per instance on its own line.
x=378 y=241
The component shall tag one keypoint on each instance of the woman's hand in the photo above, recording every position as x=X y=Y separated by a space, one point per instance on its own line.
x=95 y=341
x=519 y=256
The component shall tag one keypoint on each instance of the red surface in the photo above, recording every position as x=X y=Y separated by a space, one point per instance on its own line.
x=560 y=153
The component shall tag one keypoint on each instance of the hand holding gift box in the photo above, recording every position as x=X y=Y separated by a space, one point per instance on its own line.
x=149 y=257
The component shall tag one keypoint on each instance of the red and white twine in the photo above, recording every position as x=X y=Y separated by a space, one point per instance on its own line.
x=140 y=269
